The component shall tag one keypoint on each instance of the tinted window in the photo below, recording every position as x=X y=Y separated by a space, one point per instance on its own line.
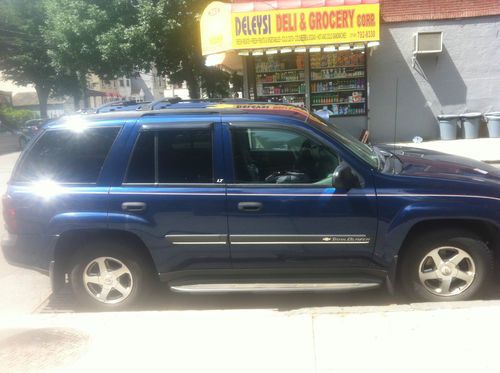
x=68 y=156
x=277 y=156
x=141 y=168
x=185 y=156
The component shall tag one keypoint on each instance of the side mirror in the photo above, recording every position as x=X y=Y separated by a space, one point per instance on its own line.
x=344 y=178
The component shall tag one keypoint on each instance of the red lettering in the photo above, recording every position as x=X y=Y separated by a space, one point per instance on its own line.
x=278 y=23
x=312 y=26
x=338 y=17
x=332 y=19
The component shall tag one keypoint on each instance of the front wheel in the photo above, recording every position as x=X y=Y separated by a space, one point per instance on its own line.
x=446 y=266
x=108 y=276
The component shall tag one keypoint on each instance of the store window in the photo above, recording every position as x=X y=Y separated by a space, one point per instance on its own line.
x=280 y=78
x=338 y=82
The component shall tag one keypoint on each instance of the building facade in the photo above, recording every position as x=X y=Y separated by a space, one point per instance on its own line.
x=407 y=92
x=355 y=60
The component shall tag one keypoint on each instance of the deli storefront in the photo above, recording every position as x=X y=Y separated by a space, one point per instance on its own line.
x=308 y=53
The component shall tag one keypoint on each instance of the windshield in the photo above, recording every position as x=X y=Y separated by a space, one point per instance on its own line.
x=363 y=151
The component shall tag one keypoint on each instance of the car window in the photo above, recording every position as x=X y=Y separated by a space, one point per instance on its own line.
x=68 y=156
x=141 y=168
x=182 y=156
x=185 y=156
x=280 y=156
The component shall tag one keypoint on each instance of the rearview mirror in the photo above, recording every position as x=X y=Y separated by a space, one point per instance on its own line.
x=344 y=178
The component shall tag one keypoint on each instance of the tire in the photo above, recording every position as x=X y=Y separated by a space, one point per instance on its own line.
x=448 y=265
x=127 y=280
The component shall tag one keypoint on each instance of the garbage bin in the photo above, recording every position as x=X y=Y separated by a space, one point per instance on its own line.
x=493 y=123
x=471 y=122
x=448 y=126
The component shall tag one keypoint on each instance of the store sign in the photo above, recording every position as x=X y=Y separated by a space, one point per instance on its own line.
x=223 y=30
x=305 y=26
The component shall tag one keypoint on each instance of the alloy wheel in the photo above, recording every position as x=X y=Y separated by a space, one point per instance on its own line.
x=108 y=280
x=447 y=271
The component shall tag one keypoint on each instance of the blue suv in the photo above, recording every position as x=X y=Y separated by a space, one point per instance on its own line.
x=260 y=198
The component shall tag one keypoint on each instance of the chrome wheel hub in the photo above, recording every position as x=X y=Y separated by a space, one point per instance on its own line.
x=447 y=271
x=107 y=280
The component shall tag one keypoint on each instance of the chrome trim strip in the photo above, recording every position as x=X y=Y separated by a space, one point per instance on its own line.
x=436 y=195
x=170 y=193
x=303 y=239
x=197 y=239
x=270 y=287
x=289 y=195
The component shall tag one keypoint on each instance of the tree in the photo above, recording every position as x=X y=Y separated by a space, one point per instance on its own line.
x=23 y=52
x=173 y=29
x=95 y=36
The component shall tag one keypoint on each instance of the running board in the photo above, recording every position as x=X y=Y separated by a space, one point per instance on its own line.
x=271 y=287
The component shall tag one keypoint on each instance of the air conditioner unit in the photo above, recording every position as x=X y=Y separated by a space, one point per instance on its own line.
x=427 y=42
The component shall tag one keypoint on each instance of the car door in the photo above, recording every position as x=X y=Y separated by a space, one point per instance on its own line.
x=283 y=211
x=170 y=198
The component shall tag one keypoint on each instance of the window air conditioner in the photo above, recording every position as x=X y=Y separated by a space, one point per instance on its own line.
x=426 y=42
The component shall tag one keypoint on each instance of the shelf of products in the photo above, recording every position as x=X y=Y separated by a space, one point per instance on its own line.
x=336 y=86
x=338 y=82
x=280 y=78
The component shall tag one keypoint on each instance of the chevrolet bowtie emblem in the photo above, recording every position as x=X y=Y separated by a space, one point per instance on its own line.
x=326 y=239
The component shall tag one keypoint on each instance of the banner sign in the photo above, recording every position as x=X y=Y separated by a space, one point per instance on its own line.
x=223 y=29
x=305 y=26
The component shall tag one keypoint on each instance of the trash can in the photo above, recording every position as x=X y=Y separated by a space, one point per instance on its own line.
x=493 y=123
x=448 y=126
x=471 y=122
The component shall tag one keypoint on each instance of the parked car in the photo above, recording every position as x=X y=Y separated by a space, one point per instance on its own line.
x=29 y=129
x=260 y=198
x=121 y=106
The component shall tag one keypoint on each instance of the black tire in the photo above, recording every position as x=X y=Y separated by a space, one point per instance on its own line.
x=417 y=251
x=139 y=269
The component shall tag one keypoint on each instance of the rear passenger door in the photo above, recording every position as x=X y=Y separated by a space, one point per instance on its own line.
x=170 y=196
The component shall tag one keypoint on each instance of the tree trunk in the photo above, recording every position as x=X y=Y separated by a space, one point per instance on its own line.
x=43 y=98
x=77 y=96
x=193 y=87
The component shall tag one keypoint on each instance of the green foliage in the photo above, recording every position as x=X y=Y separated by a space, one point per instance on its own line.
x=173 y=29
x=23 y=52
x=14 y=118
x=94 y=36
x=215 y=83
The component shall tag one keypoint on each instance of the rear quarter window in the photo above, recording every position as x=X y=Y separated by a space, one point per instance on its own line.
x=67 y=156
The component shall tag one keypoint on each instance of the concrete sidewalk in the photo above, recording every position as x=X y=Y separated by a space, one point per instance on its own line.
x=483 y=149
x=411 y=338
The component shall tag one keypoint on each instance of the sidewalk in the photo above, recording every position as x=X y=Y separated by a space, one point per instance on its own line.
x=406 y=338
x=483 y=149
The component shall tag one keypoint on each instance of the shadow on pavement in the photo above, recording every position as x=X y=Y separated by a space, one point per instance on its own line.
x=162 y=299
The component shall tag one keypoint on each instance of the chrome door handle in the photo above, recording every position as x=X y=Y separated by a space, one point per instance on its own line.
x=134 y=206
x=250 y=206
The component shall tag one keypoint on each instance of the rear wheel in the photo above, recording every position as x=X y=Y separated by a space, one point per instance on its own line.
x=109 y=276
x=446 y=266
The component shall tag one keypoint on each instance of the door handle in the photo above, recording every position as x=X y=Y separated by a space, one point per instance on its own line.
x=134 y=206
x=250 y=206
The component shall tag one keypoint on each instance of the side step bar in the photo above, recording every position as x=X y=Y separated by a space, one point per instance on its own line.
x=272 y=287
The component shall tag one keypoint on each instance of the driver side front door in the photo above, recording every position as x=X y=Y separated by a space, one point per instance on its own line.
x=284 y=212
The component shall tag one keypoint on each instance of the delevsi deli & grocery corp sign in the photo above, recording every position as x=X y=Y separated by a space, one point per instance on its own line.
x=272 y=28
